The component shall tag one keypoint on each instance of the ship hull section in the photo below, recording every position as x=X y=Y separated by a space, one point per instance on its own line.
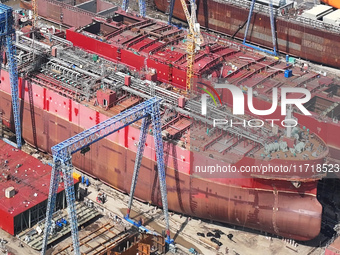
x=271 y=206
x=293 y=38
x=177 y=77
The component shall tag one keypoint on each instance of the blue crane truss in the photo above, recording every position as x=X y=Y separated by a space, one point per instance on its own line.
x=7 y=32
x=155 y=119
x=272 y=26
x=62 y=161
x=171 y=10
x=141 y=4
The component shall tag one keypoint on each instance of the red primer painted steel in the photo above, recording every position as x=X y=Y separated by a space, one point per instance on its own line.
x=269 y=205
x=88 y=43
x=248 y=202
x=31 y=188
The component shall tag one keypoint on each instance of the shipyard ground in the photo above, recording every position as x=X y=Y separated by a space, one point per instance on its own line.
x=184 y=229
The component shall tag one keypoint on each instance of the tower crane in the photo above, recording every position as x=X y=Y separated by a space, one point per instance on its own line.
x=194 y=40
x=35 y=12
x=7 y=33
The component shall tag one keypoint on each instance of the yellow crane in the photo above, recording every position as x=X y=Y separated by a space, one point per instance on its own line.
x=35 y=12
x=194 y=40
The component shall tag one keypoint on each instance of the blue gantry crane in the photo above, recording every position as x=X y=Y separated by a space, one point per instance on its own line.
x=62 y=161
x=7 y=32
x=272 y=26
x=141 y=4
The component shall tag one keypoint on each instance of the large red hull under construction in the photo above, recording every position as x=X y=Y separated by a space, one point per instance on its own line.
x=306 y=41
x=272 y=206
x=260 y=76
x=294 y=37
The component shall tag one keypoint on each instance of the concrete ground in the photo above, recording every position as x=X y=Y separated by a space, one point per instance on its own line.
x=14 y=245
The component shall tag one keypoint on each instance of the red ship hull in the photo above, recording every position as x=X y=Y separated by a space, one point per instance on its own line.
x=293 y=38
x=267 y=205
x=326 y=129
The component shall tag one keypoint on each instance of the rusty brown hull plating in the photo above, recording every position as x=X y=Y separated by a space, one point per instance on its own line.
x=318 y=45
x=293 y=37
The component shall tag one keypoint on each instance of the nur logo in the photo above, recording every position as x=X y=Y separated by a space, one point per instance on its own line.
x=238 y=99
x=204 y=97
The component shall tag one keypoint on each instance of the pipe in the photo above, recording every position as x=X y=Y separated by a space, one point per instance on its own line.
x=57 y=38
x=35 y=42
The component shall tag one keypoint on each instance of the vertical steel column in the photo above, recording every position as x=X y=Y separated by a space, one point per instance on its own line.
x=248 y=22
x=142 y=8
x=70 y=198
x=13 y=71
x=54 y=183
x=157 y=133
x=139 y=156
x=7 y=31
x=125 y=5
x=171 y=10
x=272 y=26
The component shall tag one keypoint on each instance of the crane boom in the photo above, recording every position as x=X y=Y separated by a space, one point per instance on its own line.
x=194 y=40
x=35 y=12
x=188 y=17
